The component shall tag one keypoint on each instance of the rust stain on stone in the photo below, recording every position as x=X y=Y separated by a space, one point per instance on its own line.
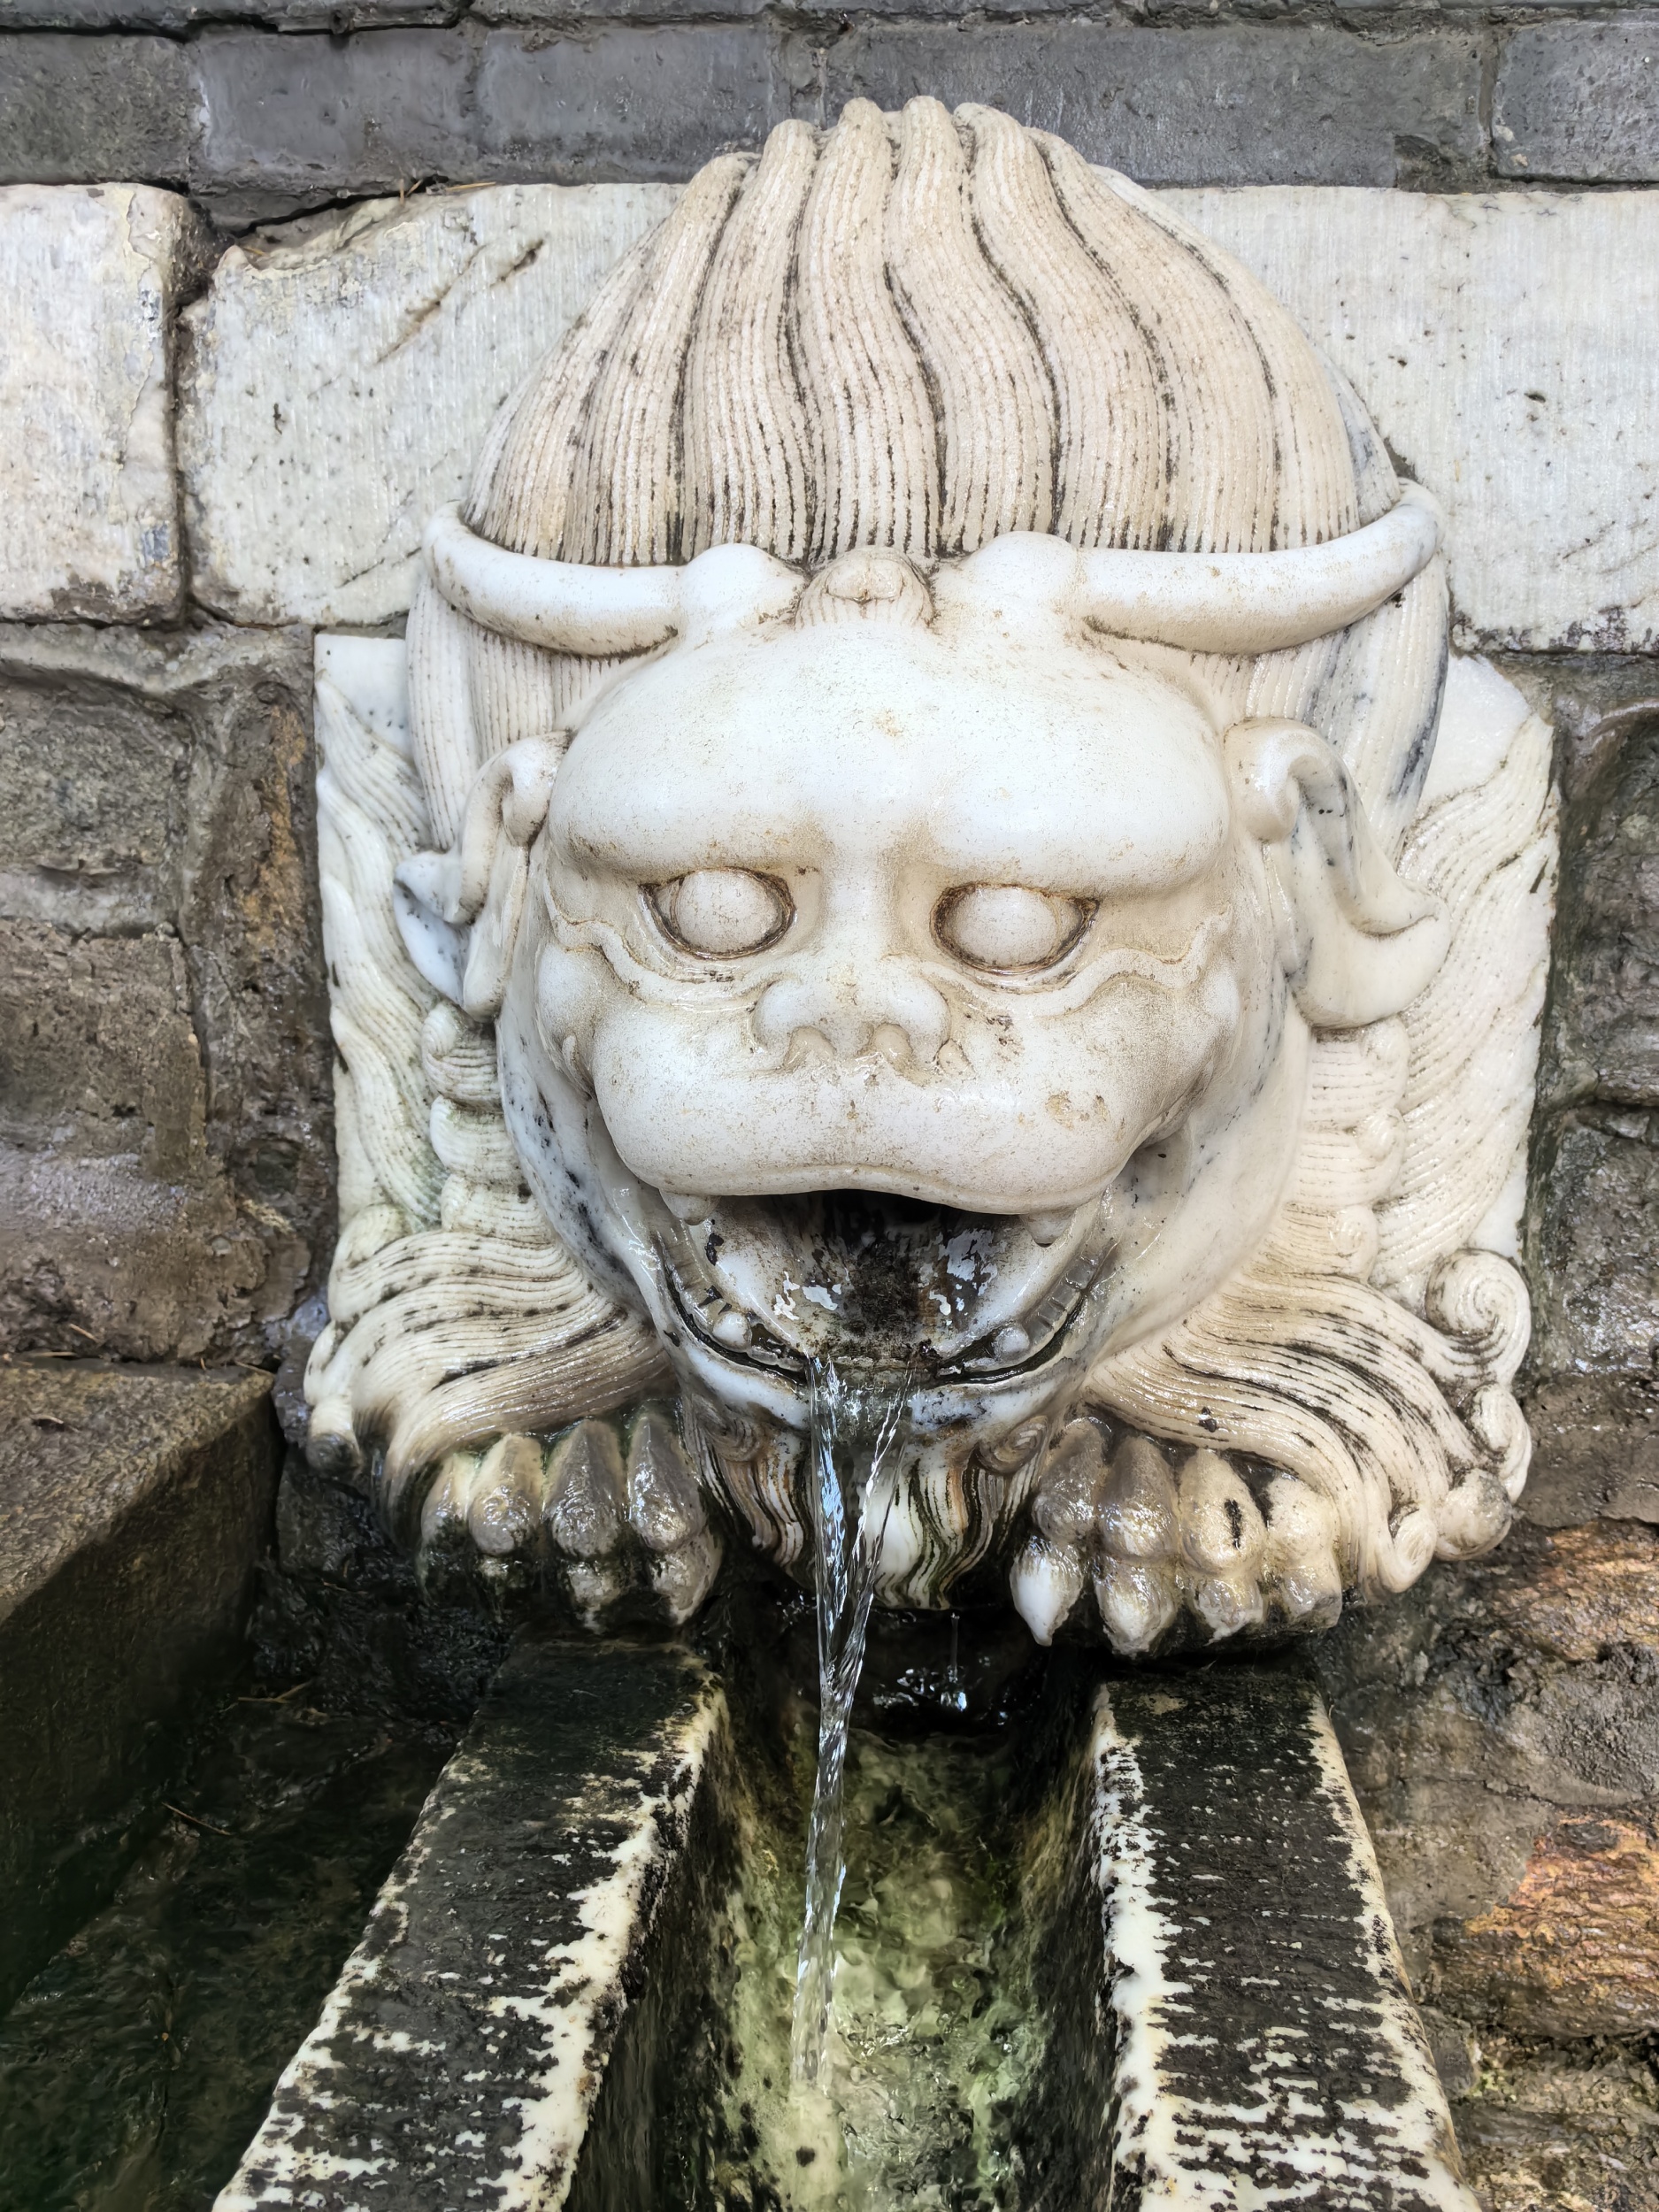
x=1574 y=1949
x=1591 y=1588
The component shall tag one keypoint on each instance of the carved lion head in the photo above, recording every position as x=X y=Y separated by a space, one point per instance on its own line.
x=921 y=721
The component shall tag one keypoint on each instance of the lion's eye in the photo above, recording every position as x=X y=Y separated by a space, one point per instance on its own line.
x=723 y=912
x=1005 y=926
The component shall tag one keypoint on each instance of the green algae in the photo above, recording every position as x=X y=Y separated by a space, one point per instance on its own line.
x=935 y=2036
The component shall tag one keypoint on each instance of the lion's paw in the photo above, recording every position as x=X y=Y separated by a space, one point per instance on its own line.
x=1155 y=1538
x=610 y=1518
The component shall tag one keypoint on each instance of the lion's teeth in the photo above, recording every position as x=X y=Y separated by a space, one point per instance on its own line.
x=687 y=1206
x=1138 y=1516
x=1011 y=1343
x=732 y=1329
x=586 y=1502
x=1222 y=1529
x=1137 y=1601
x=665 y=1509
x=1048 y=1228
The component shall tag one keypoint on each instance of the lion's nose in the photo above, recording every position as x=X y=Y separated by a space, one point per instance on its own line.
x=886 y=1008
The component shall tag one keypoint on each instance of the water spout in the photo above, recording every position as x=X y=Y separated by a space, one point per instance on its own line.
x=853 y=1471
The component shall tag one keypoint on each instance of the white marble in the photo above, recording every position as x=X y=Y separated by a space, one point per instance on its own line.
x=88 y=498
x=1036 y=964
x=334 y=391
x=1504 y=347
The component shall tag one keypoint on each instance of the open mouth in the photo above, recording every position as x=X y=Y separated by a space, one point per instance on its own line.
x=867 y=1276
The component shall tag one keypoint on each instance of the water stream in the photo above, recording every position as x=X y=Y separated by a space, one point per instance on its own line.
x=853 y=1471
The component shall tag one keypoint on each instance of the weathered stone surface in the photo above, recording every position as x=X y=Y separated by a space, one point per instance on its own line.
x=1585 y=1590
x=77 y=110
x=1590 y=1243
x=88 y=501
x=165 y=1085
x=1497 y=1721
x=133 y=1507
x=99 y=1048
x=1548 y=442
x=335 y=392
x=184 y=15
x=575 y=14
x=1237 y=103
x=1595 y=1450
x=1574 y=1949
x=1580 y=102
x=1561 y=2128
x=1601 y=1035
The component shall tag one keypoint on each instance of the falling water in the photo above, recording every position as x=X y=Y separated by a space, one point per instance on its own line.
x=853 y=1476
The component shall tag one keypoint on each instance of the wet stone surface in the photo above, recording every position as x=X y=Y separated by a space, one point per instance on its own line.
x=1268 y=2049
x=133 y=1510
x=137 y=2063
x=499 y=2010
x=167 y=1151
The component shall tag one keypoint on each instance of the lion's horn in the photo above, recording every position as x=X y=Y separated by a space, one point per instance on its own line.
x=1205 y=603
x=564 y=605
x=1260 y=602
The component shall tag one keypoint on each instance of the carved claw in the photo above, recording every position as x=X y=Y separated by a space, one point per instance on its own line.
x=605 y=1529
x=1154 y=1541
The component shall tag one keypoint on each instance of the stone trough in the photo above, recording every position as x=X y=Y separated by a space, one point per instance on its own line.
x=545 y=2007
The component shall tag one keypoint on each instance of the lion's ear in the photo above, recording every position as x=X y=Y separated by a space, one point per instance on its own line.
x=459 y=911
x=1362 y=942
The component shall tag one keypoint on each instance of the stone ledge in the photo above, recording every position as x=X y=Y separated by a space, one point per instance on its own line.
x=132 y=1508
x=547 y=1930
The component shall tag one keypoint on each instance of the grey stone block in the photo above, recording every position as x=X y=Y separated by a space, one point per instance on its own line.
x=585 y=15
x=1602 y=1033
x=1580 y=102
x=1229 y=104
x=1590 y=1256
x=132 y=1508
x=622 y=102
x=285 y=118
x=165 y=1090
x=336 y=16
x=294 y=120
x=1595 y=1450
x=92 y=110
x=99 y=1056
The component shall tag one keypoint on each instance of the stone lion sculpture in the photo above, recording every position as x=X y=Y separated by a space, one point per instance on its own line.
x=920 y=840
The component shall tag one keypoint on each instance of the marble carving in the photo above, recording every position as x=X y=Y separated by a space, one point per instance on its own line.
x=931 y=829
